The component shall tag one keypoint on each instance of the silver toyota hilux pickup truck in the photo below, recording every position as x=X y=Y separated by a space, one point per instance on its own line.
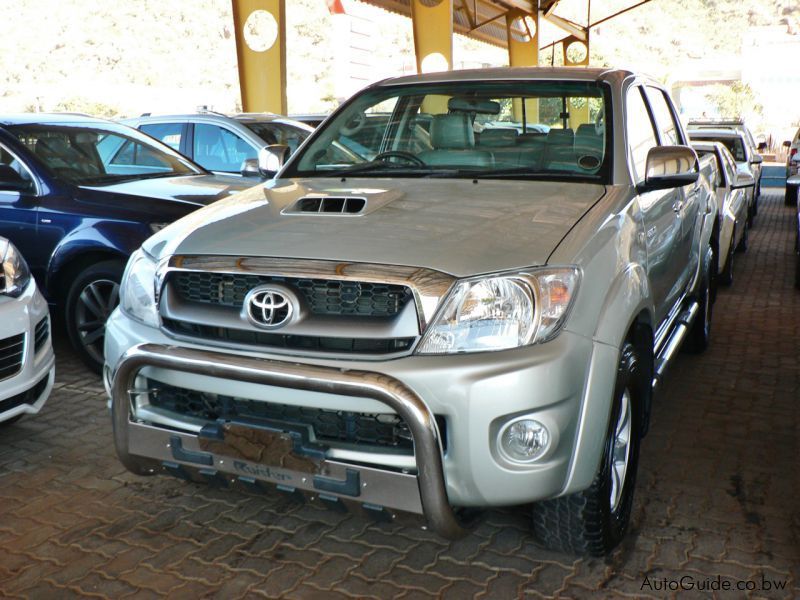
x=471 y=310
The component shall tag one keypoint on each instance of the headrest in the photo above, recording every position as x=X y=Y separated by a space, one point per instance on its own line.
x=452 y=131
x=488 y=107
x=562 y=137
x=586 y=129
x=531 y=138
x=498 y=137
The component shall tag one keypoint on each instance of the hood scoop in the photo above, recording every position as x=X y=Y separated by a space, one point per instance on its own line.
x=328 y=205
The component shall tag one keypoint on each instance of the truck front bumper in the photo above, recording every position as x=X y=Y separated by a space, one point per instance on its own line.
x=565 y=384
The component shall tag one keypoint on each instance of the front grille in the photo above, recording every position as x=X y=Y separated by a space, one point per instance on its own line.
x=12 y=352
x=323 y=296
x=290 y=342
x=40 y=334
x=365 y=429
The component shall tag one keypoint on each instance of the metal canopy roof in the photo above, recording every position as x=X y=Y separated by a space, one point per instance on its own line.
x=485 y=19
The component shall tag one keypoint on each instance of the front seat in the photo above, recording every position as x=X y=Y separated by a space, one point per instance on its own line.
x=453 y=143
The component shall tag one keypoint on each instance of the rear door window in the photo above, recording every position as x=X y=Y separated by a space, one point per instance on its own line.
x=169 y=133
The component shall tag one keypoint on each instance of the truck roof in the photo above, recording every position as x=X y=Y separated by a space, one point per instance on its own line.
x=506 y=73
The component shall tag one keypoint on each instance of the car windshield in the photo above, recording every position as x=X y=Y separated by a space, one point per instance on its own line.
x=539 y=129
x=735 y=145
x=100 y=155
x=278 y=133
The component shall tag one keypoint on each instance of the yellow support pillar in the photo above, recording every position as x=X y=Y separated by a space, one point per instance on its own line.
x=522 y=32
x=575 y=53
x=433 y=43
x=260 y=32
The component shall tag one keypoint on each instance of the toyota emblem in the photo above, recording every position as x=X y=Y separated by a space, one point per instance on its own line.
x=268 y=307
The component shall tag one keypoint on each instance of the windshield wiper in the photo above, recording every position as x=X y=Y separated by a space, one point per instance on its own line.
x=523 y=172
x=376 y=165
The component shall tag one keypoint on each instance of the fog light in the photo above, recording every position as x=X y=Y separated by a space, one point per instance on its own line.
x=524 y=440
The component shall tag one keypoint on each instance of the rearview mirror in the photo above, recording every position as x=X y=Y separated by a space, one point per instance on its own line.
x=669 y=167
x=757 y=159
x=271 y=159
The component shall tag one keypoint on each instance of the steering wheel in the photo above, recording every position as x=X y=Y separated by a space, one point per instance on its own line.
x=400 y=154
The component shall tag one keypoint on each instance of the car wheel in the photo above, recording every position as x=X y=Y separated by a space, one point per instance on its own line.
x=699 y=335
x=742 y=246
x=790 y=199
x=91 y=298
x=726 y=276
x=594 y=521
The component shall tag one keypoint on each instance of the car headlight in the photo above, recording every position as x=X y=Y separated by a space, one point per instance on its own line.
x=15 y=270
x=138 y=289
x=501 y=312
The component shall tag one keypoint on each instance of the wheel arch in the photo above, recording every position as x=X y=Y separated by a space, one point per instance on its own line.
x=64 y=267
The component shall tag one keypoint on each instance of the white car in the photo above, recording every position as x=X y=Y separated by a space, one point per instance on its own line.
x=27 y=362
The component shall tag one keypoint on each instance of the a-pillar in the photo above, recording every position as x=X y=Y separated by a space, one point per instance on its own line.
x=260 y=33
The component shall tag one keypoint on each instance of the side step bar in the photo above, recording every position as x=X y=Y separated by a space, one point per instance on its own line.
x=664 y=356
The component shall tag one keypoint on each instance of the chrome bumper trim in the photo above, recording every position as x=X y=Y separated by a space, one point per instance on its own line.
x=362 y=384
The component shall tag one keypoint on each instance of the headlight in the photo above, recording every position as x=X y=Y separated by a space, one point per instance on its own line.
x=137 y=292
x=15 y=270
x=501 y=312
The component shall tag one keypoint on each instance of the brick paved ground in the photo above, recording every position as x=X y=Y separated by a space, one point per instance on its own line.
x=718 y=492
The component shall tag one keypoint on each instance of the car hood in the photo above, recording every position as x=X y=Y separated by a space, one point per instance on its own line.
x=459 y=226
x=199 y=190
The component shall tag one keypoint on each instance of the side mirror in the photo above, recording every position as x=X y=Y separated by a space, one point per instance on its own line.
x=271 y=158
x=787 y=144
x=756 y=159
x=250 y=168
x=743 y=180
x=761 y=146
x=669 y=167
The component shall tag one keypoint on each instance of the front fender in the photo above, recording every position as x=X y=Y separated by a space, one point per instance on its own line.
x=627 y=297
x=117 y=240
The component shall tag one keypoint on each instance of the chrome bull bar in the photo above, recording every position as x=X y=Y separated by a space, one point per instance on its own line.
x=361 y=384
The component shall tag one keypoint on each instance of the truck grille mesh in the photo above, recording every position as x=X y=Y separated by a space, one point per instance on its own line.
x=384 y=430
x=324 y=297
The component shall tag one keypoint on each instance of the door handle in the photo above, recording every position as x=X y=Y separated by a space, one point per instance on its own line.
x=677 y=206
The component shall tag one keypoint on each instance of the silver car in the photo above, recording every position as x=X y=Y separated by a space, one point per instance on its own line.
x=224 y=144
x=747 y=161
x=732 y=188
x=464 y=319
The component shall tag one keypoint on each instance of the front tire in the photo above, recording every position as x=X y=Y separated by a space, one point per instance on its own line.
x=93 y=295
x=790 y=199
x=699 y=336
x=726 y=276
x=593 y=522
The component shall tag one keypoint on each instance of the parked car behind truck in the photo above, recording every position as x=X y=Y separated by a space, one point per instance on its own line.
x=475 y=324
x=78 y=195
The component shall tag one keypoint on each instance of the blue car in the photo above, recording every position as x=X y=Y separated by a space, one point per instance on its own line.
x=78 y=195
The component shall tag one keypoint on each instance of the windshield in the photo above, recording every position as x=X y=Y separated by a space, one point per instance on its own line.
x=278 y=133
x=537 y=129
x=98 y=155
x=734 y=144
